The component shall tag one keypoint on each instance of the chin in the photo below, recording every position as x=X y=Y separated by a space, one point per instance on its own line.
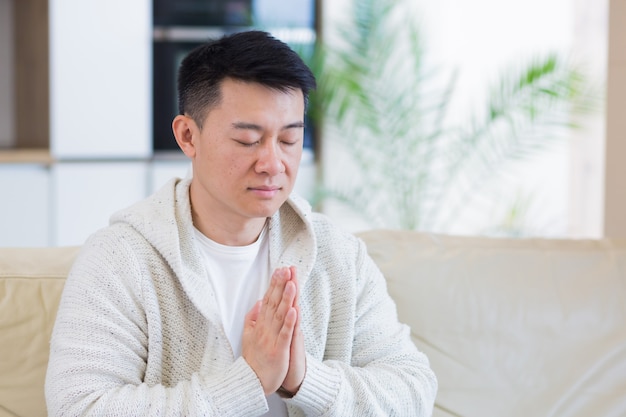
x=268 y=208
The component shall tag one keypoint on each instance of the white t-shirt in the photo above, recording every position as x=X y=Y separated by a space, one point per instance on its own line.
x=239 y=276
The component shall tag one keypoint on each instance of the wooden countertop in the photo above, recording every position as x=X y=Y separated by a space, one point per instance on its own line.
x=25 y=156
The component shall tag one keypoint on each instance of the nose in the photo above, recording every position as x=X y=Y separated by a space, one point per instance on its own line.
x=270 y=159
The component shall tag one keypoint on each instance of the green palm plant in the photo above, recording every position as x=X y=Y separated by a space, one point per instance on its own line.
x=417 y=167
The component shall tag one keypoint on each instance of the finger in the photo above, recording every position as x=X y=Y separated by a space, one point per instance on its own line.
x=285 y=307
x=297 y=358
x=297 y=332
x=276 y=287
x=285 y=335
x=294 y=279
x=274 y=294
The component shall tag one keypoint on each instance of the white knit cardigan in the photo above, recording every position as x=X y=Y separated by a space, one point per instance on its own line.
x=138 y=330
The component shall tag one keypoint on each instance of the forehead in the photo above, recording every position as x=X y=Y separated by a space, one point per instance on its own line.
x=249 y=98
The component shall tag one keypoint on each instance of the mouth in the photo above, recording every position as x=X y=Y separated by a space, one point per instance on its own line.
x=265 y=191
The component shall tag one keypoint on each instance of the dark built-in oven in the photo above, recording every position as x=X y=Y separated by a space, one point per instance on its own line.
x=182 y=25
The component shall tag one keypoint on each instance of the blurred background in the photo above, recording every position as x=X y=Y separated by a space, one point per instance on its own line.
x=484 y=117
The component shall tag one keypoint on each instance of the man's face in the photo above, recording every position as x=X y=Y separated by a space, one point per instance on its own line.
x=246 y=157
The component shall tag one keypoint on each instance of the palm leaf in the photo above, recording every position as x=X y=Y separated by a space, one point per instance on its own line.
x=380 y=101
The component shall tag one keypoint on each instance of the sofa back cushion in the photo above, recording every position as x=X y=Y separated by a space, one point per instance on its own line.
x=513 y=327
x=31 y=282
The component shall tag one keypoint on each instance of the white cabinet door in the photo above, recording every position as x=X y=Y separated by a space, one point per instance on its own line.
x=87 y=194
x=162 y=171
x=24 y=205
x=100 y=78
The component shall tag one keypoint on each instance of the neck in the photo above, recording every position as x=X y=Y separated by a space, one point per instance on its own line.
x=242 y=235
x=225 y=230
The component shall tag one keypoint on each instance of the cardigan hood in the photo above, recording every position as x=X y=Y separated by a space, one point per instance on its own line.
x=164 y=221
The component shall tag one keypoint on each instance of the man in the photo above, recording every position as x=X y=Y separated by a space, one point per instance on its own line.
x=222 y=295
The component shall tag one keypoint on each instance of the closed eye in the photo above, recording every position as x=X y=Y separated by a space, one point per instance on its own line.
x=246 y=144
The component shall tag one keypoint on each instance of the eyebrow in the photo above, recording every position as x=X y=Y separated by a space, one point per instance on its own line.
x=253 y=126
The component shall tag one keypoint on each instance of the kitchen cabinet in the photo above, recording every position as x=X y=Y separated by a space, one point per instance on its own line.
x=100 y=79
x=82 y=77
x=86 y=194
x=25 y=205
x=163 y=169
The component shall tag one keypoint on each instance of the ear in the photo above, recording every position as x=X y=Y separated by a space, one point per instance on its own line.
x=185 y=130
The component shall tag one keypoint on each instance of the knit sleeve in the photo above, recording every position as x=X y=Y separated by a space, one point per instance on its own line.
x=386 y=374
x=100 y=350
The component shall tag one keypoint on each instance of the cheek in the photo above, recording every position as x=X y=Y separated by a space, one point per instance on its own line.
x=293 y=160
x=232 y=165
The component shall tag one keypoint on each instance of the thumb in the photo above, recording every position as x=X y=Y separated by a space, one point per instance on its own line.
x=253 y=314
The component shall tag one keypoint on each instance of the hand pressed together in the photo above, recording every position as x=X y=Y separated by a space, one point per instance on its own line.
x=272 y=342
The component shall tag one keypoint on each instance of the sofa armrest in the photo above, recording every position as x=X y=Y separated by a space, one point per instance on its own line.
x=31 y=283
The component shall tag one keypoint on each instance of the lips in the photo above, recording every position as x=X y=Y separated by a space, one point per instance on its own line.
x=265 y=191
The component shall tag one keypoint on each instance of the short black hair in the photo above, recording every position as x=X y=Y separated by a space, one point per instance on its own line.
x=250 y=56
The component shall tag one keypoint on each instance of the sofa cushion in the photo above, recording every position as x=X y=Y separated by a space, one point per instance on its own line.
x=513 y=327
x=31 y=282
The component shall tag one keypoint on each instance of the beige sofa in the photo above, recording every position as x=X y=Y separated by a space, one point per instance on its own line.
x=512 y=327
